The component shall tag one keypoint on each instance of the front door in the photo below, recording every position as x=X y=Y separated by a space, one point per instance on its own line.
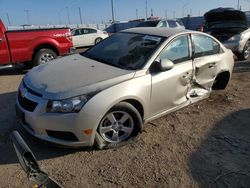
x=169 y=88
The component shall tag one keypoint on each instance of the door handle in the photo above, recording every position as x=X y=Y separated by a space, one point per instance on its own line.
x=1 y=39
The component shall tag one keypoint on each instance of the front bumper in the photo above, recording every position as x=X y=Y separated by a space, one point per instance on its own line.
x=58 y=128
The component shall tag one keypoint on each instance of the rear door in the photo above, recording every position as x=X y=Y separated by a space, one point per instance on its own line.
x=207 y=54
x=169 y=88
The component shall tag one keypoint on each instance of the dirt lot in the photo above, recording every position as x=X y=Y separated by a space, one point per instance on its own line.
x=204 y=145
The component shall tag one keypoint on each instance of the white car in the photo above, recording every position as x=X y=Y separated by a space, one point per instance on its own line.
x=87 y=36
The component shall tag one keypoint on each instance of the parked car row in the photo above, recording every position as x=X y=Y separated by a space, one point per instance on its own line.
x=104 y=95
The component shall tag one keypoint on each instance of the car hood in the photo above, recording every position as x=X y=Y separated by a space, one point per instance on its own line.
x=72 y=76
x=222 y=16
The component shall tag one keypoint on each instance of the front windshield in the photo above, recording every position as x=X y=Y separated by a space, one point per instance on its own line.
x=125 y=50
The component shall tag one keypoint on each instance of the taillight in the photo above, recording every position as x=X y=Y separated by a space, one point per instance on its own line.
x=68 y=36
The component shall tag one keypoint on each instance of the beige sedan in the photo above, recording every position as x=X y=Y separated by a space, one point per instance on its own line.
x=105 y=95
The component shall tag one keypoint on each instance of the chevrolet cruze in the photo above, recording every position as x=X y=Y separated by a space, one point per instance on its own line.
x=104 y=95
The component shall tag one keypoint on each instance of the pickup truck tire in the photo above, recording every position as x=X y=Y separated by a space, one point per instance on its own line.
x=44 y=55
x=98 y=40
x=246 y=51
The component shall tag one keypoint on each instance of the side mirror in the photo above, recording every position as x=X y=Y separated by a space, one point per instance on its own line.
x=29 y=164
x=166 y=64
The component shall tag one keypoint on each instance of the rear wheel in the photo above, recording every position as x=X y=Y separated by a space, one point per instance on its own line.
x=98 y=40
x=121 y=123
x=44 y=55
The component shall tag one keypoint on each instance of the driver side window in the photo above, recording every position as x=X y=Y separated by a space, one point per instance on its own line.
x=177 y=51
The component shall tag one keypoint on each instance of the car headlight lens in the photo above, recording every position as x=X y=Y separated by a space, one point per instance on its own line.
x=235 y=38
x=68 y=105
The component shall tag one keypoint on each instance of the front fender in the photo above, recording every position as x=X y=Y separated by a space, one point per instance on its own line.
x=138 y=89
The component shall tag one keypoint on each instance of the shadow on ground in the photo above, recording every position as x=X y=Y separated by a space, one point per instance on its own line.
x=15 y=70
x=223 y=159
x=9 y=123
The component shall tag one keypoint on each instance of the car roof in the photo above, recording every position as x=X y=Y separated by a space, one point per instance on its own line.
x=156 y=31
x=84 y=28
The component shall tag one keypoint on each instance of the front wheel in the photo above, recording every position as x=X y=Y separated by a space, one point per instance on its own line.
x=121 y=123
x=246 y=51
x=44 y=55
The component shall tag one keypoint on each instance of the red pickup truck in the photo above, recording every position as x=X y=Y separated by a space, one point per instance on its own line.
x=33 y=45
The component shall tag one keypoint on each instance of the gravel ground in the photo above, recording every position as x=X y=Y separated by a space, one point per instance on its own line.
x=204 y=145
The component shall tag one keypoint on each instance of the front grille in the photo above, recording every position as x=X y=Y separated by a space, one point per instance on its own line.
x=26 y=103
x=68 y=136
x=32 y=91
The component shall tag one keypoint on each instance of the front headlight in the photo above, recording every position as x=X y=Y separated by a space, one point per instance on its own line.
x=68 y=105
x=235 y=38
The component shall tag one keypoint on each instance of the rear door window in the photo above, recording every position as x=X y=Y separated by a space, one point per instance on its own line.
x=204 y=45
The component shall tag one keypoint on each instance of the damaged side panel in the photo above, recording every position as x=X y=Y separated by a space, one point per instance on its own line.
x=205 y=71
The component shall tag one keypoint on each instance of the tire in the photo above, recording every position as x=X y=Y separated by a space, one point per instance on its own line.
x=44 y=55
x=246 y=51
x=98 y=40
x=119 y=126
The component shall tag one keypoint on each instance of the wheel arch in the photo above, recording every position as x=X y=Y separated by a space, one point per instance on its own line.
x=137 y=105
x=47 y=46
x=221 y=80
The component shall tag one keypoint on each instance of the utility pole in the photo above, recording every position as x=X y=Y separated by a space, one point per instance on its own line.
x=8 y=18
x=67 y=9
x=136 y=13
x=59 y=18
x=238 y=5
x=28 y=16
x=146 y=9
x=80 y=14
x=152 y=13
x=166 y=13
x=183 y=9
x=113 y=11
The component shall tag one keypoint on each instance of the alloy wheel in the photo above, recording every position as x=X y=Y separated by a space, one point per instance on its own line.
x=116 y=126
